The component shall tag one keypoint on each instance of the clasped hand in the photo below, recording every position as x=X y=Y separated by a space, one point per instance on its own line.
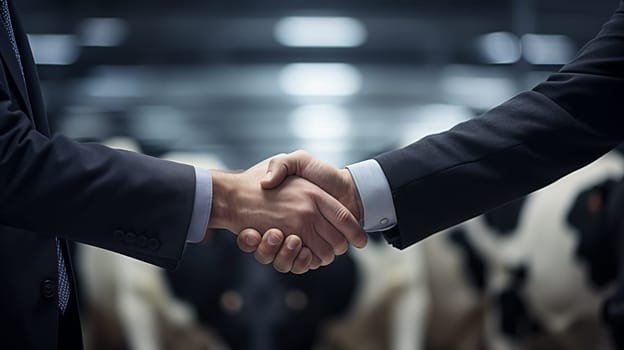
x=296 y=222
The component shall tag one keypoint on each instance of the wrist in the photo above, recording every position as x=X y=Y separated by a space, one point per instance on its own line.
x=352 y=199
x=223 y=189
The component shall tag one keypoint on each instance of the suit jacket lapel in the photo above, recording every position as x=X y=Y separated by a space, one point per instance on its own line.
x=13 y=66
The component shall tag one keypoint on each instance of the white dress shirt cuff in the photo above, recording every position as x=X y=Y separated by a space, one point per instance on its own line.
x=376 y=196
x=201 y=207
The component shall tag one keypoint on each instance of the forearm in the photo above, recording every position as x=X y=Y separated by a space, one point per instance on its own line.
x=122 y=201
x=516 y=148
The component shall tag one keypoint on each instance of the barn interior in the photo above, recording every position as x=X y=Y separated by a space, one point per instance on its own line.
x=225 y=84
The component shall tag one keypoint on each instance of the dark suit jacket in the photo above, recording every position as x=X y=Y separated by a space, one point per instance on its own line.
x=52 y=186
x=526 y=143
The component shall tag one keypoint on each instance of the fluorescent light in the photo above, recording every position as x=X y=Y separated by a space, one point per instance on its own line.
x=102 y=32
x=113 y=86
x=320 y=32
x=320 y=122
x=85 y=123
x=320 y=79
x=500 y=47
x=159 y=123
x=54 y=49
x=432 y=119
x=481 y=92
x=547 y=49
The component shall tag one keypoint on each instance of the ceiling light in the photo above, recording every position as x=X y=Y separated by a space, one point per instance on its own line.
x=320 y=32
x=320 y=79
x=54 y=49
x=500 y=47
x=547 y=49
x=102 y=32
x=432 y=119
x=320 y=122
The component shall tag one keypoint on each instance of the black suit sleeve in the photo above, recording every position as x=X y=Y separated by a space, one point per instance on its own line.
x=126 y=202
x=526 y=143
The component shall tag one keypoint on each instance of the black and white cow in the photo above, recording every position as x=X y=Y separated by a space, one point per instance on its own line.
x=533 y=274
x=536 y=273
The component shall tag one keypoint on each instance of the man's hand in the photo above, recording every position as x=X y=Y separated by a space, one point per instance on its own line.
x=268 y=248
x=337 y=182
x=297 y=207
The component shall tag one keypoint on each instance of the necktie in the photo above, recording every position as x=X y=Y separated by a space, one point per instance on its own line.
x=63 y=280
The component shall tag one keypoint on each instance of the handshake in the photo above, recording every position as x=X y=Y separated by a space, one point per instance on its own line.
x=298 y=222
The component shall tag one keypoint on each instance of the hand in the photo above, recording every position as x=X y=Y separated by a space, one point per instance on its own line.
x=296 y=207
x=292 y=257
x=338 y=183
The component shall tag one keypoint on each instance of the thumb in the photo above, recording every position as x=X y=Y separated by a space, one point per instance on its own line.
x=279 y=168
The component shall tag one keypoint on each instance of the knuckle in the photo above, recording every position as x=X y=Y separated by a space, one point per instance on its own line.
x=298 y=270
x=279 y=268
x=264 y=257
x=327 y=257
x=299 y=152
x=330 y=259
x=263 y=260
x=341 y=248
x=343 y=215
x=307 y=213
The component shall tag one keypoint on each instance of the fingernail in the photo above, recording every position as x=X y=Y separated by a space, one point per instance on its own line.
x=362 y=242
x=273 y=240
x=252 y=241
x=291 y=244
x=268 y=176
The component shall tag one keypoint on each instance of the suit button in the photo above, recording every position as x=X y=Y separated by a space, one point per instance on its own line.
x=119 y=235
x=142 y=241
x=48 y=289
x=153 y=244
x=130 y=237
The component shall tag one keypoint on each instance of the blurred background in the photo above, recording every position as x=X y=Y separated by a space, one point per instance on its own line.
x=226 y=84
x=245 y=79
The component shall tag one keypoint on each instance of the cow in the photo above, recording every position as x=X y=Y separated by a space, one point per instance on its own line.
x=544 y=265
x=217 y=298
x=537 y=273
x=127 y=303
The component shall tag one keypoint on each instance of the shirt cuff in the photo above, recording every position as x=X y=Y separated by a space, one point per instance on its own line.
x=201 y=206
x=376 y=196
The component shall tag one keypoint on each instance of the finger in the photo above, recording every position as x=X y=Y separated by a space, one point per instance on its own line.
x=278 y=169
x=342 y=219
x=283 y=165
x=269 y=246
x=332 y=236
x=303 y=261
x=288 y=253
x=248 y=240
x=316 y=262
x=319 y=246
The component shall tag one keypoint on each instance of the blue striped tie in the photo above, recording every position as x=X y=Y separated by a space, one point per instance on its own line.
x=63 y=280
